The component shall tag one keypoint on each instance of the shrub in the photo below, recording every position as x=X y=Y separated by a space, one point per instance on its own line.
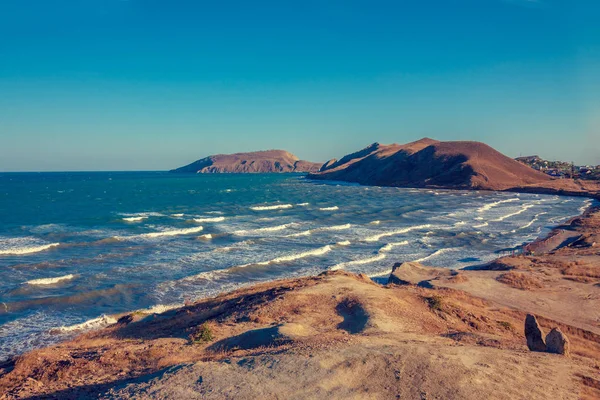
x=435 y=302
x=202 y=335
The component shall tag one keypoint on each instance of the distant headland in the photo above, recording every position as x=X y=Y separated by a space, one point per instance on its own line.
x=278 y=161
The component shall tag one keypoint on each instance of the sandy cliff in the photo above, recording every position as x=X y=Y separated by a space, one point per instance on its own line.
x=254 y=162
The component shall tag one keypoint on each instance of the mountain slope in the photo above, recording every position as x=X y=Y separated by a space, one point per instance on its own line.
x=253 y=162
x=431 y=163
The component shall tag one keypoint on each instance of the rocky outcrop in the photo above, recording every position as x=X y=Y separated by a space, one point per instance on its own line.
x=534 y=334
x=254 y=162
x=557 y=342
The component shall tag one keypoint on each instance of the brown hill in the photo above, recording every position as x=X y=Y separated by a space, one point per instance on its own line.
x=431 y=163
x=253 y=162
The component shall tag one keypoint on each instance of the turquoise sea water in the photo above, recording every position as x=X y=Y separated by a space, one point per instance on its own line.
x=76 y=246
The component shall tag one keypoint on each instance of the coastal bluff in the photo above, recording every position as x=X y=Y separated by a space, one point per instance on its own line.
x=268 y=161
x=429 y=163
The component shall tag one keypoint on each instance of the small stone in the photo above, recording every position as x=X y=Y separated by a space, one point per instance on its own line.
x=534 y=334
x=557 y=342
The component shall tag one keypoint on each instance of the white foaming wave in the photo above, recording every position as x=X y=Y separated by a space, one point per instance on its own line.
x=210 y=275
x=495 y=204
x=375 y=238
x=531 y=222
x=173 y=232
x=362 y=261
x=213 y=219
x=375 y=222
x=329 y=208
x=207 y=236
x=50 y=281
x=134 y=219
x=459 y=223
x=266 y=229
x=585 y=206
x=143 y=214
x=273 y=207
x=94 y=323
x=481 y=225
x=177 y=215
x=390 y=246
x=295 y=256
x=521 y=211
x=302 y=204
x=27 y=249
x=437 y=253
x=213 y=212
x=321 y=229
x=343 y=243
x=160 y=308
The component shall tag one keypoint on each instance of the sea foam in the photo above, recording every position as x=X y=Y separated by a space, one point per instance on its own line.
x=375 y=238
x=27 y=249
x=329 y=208
x=94 y=323
x=489 y=206
x=321 y=229
x=266 y=229
x=361 y=261
x=50 y=281
x=213 y=219
x=273 y=207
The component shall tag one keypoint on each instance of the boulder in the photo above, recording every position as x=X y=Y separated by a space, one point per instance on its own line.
x=534 y=334
x=413 y=273
x=557 y=342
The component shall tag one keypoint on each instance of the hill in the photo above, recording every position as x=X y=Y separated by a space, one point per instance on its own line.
x=253 y=162
x=431 y=163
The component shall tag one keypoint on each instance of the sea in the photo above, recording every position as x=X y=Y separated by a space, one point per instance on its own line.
x=78 y=248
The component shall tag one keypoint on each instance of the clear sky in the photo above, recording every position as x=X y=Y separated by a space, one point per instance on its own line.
x=155 y=84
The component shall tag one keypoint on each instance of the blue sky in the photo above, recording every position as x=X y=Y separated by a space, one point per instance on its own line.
x=155 y=84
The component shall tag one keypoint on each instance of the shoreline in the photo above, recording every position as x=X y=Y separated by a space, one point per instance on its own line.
x=135 y=323
x=105 y=320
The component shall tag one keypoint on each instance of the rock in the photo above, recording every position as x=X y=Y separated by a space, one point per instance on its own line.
x=534 y=334
x=557 y=342
x=413 y=273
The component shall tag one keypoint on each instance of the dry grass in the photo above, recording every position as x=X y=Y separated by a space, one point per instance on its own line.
x=520 y=280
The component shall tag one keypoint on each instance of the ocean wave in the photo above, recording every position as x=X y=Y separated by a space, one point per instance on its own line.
x=437 y=253
x=375 y=238
x=521 y=211
x=375 y=222
x=495 y=204
x=134 y=219
x=266 y=229
x=481 y=225
x=211 y=275
x=321 y=229
x=160 y=308
x=329 y=208
x=273 y=207
x=362 y=261
x=50 y=281
x=173 y=232
x=585 y=206
x=302 y=204
x=535 y=218
x=27 y=249
x=293 y=257
x=390 y=246
x=177 y=215
x=343 y=243
x=94 y=323
x=207 y=236
x=213 y=219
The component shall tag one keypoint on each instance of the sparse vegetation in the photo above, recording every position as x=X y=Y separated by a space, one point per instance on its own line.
x=435 y=302
x=520 y=280
x=202 y=335
x=506 y=325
